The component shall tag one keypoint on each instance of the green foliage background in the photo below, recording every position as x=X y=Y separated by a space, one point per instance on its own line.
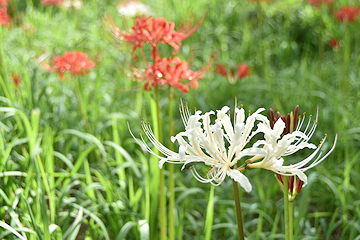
x=58 y=180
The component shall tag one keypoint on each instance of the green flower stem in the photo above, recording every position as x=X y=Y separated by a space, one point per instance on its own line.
x=171 y=169
x=163 y=234
x=291 y=219
x=81 y=104
x=321 y=47
x=346 y=61
x=238 y=211
x=286 y=208
x=261 y=17
x=286 y=205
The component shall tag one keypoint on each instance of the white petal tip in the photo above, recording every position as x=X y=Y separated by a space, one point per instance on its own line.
x=162 y=162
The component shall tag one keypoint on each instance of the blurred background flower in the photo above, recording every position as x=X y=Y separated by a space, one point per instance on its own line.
x=76 y=63
x=347 y=14
x=75 y=4
x=133 y=9
x=5 y=18
x=243 y=71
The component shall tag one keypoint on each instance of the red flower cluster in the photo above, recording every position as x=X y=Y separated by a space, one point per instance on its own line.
x=334 y=43
x=243 y=70
x=51 y=2
x=4 y=17
x=76 y=63
x=173 y=72
x=347 y=14
x=153 y=31
x=3 y=3
x=317 y=3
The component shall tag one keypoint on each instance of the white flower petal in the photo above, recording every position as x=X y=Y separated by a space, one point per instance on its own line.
x=240 y=178
x=279 y=127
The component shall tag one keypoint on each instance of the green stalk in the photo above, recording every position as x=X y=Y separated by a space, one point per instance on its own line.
x=321 y=47
x=209 y=214
x=139 y=101
x=163 y=227
x=262 y=36
x=286 y=208
x=238 y=211
x=118 y=157
x=81 y=104
x=347 y=58
x=171 y=169
x=155 y=177
x=291 y=219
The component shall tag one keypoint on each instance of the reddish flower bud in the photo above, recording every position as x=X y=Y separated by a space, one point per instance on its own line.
x=334 y=43
x=243 y=71
x=294 y=185
x=220 y=69
x=16 y=79
x=290 y=120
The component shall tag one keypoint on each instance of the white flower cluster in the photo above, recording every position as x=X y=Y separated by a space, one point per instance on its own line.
x=223 y=145
x=76 y=4
x=133 y=8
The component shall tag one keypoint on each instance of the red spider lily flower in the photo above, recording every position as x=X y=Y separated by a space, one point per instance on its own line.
x=4 y=17
x=51 y=2
x=317 y=3
x=16 y=79
x=347 y=14
x=76 y=63
x=294 y=185
x=173 y=72
x=153 y=31
x=3 y=3
x=290 y=120
x=334 y=43
x=242 y=72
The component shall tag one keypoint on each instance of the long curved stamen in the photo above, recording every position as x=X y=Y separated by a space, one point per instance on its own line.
x=149 y=133
x=184 y=113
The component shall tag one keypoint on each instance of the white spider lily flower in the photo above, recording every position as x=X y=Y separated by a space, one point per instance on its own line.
x=133 y=8
x=277 y=147
x=76 y=4
x=220 y=145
